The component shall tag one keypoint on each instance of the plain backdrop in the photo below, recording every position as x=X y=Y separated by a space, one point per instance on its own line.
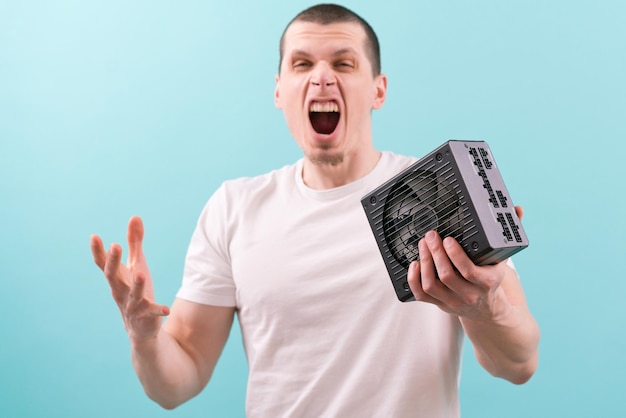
x=114 y=108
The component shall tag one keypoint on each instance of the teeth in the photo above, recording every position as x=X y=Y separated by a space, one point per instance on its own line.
x=324 y=107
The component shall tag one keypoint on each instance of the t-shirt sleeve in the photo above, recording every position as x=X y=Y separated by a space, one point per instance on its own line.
x=207 y=276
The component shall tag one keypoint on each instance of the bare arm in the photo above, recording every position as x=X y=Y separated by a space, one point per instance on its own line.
x=489 y=301
x=178 y=363
x=174 y=361
x=507 y=347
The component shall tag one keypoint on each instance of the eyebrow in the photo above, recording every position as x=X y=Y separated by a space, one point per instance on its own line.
x=344 y=51
x=339 y=52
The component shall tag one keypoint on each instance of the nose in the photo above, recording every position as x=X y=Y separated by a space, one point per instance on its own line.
x=323 y=75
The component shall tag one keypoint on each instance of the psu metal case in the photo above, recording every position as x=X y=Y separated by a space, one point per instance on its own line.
x=457 y=190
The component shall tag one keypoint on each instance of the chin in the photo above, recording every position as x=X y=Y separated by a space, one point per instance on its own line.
x=325 y=157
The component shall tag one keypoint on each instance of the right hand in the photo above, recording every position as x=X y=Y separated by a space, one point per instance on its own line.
x=131 y=284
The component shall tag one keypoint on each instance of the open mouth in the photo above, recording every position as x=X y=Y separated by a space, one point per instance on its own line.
x=324 y=117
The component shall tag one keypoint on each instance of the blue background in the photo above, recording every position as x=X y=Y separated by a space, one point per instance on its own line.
x=112 y=108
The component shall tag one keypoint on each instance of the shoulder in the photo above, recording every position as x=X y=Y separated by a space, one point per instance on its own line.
x=392 y=163
x=284 y=174
x=243 y=190
x=395 y=159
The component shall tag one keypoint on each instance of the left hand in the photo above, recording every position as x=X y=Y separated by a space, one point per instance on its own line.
x=445 y=276
x=488 y=300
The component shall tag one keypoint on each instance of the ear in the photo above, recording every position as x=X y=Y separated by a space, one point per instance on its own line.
x=380 y=86
x=276 y=93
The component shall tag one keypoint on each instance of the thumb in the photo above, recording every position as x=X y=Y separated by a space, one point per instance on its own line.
x=519 y=211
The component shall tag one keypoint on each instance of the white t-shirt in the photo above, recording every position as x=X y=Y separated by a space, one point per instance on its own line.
x=324 y=334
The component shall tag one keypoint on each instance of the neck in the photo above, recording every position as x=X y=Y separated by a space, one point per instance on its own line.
x=323 y=175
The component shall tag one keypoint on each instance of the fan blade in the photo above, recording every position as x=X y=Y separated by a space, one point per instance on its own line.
x=448 y=210
x=423 y=184
x=398 y=225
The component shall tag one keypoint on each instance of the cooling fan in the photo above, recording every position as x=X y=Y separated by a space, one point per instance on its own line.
x=456 y=190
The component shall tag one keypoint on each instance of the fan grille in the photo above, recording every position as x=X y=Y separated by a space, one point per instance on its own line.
x=422 y=201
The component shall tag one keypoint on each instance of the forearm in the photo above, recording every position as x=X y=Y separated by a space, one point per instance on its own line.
x=506 y=347
x=168 y=373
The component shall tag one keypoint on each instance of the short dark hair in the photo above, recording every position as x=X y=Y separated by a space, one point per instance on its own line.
x=326 y=14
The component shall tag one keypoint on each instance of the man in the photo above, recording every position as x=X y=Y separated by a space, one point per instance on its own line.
x=292 y=254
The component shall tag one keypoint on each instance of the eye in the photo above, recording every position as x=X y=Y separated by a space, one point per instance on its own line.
x=301 y=64
x=344 y=65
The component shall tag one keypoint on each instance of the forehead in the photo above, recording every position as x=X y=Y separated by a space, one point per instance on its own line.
x=311 y=36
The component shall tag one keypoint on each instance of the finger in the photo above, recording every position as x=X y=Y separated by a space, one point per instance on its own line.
x=137 y=287
x=415 y=284
x=483 y=277
x=117 y=275
x=155 y=309
x=135 y=240
x=429 y=269
x=460 y=278
x=414 y=280
x=440 y=258
x=458 y=258
x=163 y=310
x=426 y=263
x=113 y=269
x=97 y=250
x=138 y=298
x=519 y=211
x=452 y=280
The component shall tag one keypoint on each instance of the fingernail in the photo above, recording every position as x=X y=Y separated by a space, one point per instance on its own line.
x=430 y=235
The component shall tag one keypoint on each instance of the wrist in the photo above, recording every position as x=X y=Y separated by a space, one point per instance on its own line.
x=498 y=311
x=143 y=344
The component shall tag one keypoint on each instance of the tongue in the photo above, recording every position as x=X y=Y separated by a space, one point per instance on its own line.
x=324 y=122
